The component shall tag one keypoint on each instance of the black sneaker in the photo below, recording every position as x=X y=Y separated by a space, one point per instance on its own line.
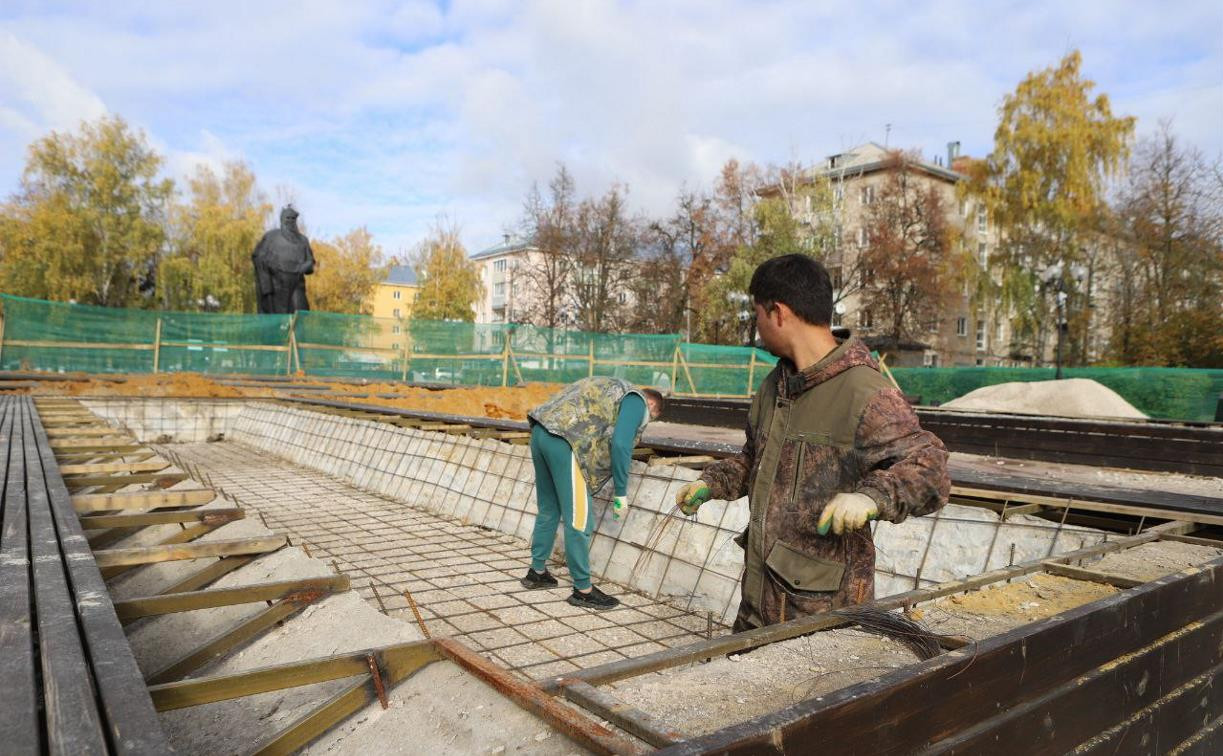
x=596 y=599
x=533 y=579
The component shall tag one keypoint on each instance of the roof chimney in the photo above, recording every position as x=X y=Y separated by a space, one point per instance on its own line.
x=953 y=152
x=506 y=237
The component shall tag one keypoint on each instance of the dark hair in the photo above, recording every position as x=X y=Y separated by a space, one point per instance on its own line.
x=797 y=281
x=656 y=397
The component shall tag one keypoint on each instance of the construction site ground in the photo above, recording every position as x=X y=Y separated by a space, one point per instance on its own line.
x=463 y=579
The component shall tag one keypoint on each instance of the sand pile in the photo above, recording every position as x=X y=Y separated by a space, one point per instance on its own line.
x=1073 y=397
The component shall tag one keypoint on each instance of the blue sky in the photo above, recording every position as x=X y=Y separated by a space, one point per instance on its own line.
x=387 y=114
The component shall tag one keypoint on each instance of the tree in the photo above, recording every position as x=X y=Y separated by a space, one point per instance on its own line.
x=911 y=263
x=548 y=225
x=346 y=270
x=212 y=237
x=1043 y=184
x=1168 y=270
x=449 y=282
x=605 y=245
x=687 y=250
x=89 y=221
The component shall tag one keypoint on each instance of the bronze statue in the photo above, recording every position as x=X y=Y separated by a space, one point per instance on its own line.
x=282 y=259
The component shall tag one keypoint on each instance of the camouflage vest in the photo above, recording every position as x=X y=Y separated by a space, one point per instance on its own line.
x=584 y=414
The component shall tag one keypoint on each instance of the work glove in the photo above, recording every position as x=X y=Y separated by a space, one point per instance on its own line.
x=692 y=496
x=619 y=507
x=847 y=511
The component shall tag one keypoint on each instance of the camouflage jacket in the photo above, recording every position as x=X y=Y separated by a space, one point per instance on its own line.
x=838 y=426
x=584 y=414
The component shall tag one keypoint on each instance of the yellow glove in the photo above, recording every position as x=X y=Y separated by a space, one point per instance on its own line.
x=692 y=496
x=847 y=511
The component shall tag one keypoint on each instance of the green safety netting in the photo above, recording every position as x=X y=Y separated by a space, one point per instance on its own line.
x=61 y=337
x=1172 y=393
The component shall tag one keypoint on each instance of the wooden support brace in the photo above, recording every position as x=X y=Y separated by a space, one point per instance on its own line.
x=397 y=662
x=113 y=467
x=214 y=517
x=244 y=632
x=1104 y=578
x=693 y=461
x=142 y=500
x=295 y=590
x=174 y=552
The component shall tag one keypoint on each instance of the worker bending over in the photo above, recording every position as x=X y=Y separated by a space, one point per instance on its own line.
x=831 y=445
x=582 y=436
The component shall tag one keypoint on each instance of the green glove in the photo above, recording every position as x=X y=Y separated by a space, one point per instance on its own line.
x=692 y=496
x=619 y=507
x=847 y=511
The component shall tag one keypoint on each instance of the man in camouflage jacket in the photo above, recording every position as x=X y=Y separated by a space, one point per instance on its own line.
x=829 y=447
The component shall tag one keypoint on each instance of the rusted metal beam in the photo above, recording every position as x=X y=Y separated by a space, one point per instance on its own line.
x=586 y=732
x=628 y=718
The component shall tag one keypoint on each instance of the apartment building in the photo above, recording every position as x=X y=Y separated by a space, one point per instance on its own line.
x=969 y=333
x=395 y=296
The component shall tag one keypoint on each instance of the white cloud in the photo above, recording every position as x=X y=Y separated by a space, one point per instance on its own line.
x=387 y=113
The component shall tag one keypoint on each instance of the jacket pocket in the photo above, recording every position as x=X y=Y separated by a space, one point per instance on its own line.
x=802 y=572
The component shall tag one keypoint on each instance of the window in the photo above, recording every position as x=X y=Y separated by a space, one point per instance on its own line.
x=930 y=359
x=836 y=318
x=868 y=195
x=837 y=282
x=395 y=345
x=499 y=265
x=395 y=295
x=961 y=326
x=395 y=314
x=861 y=237
x=983 y=254
x=935 y=325
x=963 y=208
x=622 y=297
x=395 y=328
x=499 y=289
x=980 y=362
x=865 y=320
x=980 y=337
x=1000 y=335
x=981 y=220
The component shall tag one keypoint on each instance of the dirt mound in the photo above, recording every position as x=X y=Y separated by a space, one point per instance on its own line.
x=1073 y=397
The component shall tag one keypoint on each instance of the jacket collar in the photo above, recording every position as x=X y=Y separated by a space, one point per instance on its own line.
x=849 y=353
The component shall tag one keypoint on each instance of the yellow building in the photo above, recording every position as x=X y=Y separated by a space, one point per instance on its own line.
x=394 y=297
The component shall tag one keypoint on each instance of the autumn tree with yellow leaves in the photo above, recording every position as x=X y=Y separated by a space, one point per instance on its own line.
x=450 y=283
x=1043 y=187
x=89 y=222
x=346 y=270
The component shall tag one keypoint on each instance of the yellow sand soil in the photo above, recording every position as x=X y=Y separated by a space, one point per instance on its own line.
x=1042 y=596
x=495 y=402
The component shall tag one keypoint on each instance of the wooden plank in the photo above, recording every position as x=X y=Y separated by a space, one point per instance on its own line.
x=184 y=535
x=933 y=699
x=162 y=480
x=1104 y=578
x=85 y=432
x=169 y=553
x=130 y=720
x=1091 y=703
x=20 y=729
x=673 y=657
x=73 y=722
x=240 y=634
x=399 y=661
x=1090 y=506
x=1195 y=540
x=115 y=444
x=628 y=718
x=218 y=516
x=309 y=726
x=114 y=467
x=210 y=574
x=86 y=503
x=148 y=606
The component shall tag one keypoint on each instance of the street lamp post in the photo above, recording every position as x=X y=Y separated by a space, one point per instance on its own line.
x=742 y=301
x=1053 y=277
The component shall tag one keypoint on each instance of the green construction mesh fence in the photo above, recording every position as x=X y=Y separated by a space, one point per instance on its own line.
x=60 y=337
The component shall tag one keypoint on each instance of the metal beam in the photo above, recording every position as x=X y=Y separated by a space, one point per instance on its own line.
x=170 y=553
x=85 y=503
x=149 y=606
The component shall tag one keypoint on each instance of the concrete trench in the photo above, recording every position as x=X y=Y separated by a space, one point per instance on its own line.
x=446 y=520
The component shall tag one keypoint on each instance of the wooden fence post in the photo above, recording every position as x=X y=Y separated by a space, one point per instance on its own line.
x=590 y=359
x=675 y=365
x=292 y=347
x=1 y=342
x=505 y=362
x=751 y=374
x=157 y=346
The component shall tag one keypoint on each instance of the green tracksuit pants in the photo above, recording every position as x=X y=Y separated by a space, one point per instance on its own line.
x=560 y=491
